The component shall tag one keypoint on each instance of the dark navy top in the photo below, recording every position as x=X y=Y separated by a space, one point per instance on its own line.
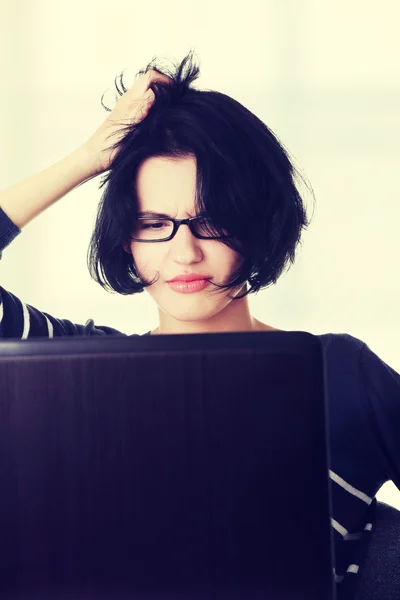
x=363 y=417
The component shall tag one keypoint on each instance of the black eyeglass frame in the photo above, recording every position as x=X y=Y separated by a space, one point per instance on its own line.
x=177 y=223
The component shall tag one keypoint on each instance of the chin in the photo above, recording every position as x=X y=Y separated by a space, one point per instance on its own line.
x=188 y=316
x=188 y=307
x=189 y=311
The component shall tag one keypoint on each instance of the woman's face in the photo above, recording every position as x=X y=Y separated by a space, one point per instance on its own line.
x=166 y=185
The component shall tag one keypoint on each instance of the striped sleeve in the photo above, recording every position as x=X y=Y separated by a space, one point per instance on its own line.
x=8 y=231
x=364 y=442
x=20 y=320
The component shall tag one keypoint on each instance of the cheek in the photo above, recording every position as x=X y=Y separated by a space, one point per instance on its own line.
x=148 y=260
x=227 y=258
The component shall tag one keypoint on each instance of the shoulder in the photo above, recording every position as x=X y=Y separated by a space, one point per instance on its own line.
x=351 y=366
x=336 y=342
x=345 y=349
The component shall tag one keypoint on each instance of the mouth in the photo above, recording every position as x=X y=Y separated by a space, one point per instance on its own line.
x=188 y=287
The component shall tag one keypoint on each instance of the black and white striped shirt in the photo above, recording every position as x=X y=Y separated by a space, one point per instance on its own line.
x=363 y=417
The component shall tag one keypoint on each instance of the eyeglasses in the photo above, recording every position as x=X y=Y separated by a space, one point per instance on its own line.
x=161 y=230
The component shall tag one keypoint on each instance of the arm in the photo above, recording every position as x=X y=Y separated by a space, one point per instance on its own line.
x=26 y=200
x=19 y=205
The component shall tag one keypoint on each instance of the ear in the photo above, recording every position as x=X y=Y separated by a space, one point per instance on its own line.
x=127 y=248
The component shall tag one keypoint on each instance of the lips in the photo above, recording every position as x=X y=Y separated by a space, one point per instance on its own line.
x=188 y=287
x=189 y=277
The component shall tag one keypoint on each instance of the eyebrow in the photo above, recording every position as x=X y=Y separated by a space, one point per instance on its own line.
x=151 y=213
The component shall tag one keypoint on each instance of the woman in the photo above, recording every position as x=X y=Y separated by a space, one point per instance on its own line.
x=201 y=158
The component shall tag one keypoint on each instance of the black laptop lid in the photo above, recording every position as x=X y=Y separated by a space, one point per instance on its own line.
x=190 y=466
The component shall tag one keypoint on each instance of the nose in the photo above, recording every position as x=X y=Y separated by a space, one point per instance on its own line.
x=185 y=246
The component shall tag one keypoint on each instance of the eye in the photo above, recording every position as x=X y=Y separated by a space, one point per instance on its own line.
x=154 y=225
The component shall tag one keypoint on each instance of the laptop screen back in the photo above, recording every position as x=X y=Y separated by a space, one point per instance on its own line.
x=164 y=466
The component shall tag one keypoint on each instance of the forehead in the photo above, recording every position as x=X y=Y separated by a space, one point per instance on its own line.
x=167 y=184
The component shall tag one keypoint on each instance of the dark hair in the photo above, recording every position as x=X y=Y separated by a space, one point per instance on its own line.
x=246 y=183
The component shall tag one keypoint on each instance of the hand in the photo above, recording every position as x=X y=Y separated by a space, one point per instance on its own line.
x=132 y=107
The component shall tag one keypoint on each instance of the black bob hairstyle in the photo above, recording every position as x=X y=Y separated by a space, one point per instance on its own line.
x=245 y=183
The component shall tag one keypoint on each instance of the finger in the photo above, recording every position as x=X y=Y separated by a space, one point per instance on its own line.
x=141 y=85
x=154 y=75
x=146 y=104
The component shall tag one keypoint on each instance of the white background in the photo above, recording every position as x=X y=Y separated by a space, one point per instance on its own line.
x=323 y=75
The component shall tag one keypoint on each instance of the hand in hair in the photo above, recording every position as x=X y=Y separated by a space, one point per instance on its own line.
x=132 y=107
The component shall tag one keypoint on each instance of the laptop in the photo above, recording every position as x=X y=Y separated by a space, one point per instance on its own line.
x=162 y=467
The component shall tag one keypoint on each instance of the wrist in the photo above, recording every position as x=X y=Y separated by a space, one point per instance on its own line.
x=88 y=161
